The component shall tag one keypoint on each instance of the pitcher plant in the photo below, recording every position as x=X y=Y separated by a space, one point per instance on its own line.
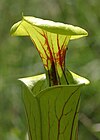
x=51 y=99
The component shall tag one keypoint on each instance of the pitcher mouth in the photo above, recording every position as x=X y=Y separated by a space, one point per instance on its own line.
x=30 y=82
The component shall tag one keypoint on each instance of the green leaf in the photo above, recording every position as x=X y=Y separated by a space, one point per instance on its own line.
x=52 y=113
x=59 y=112
x=32 y=113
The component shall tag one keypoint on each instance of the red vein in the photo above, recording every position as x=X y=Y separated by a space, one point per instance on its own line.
x=61 y=57
x=48 y=46
x=63 y=45
x=74 y=119
x=62 y=113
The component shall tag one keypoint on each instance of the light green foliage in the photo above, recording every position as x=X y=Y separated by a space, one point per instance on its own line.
x=52 y=113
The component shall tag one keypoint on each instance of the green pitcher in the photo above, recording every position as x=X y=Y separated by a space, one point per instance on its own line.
x=52 y=99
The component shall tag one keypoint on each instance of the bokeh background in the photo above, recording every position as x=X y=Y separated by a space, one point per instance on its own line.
x=18 y=58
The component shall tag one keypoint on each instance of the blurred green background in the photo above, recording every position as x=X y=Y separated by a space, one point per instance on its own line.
x=18 y=58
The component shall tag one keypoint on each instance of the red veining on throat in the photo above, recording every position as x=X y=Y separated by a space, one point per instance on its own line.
x=51 y=56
